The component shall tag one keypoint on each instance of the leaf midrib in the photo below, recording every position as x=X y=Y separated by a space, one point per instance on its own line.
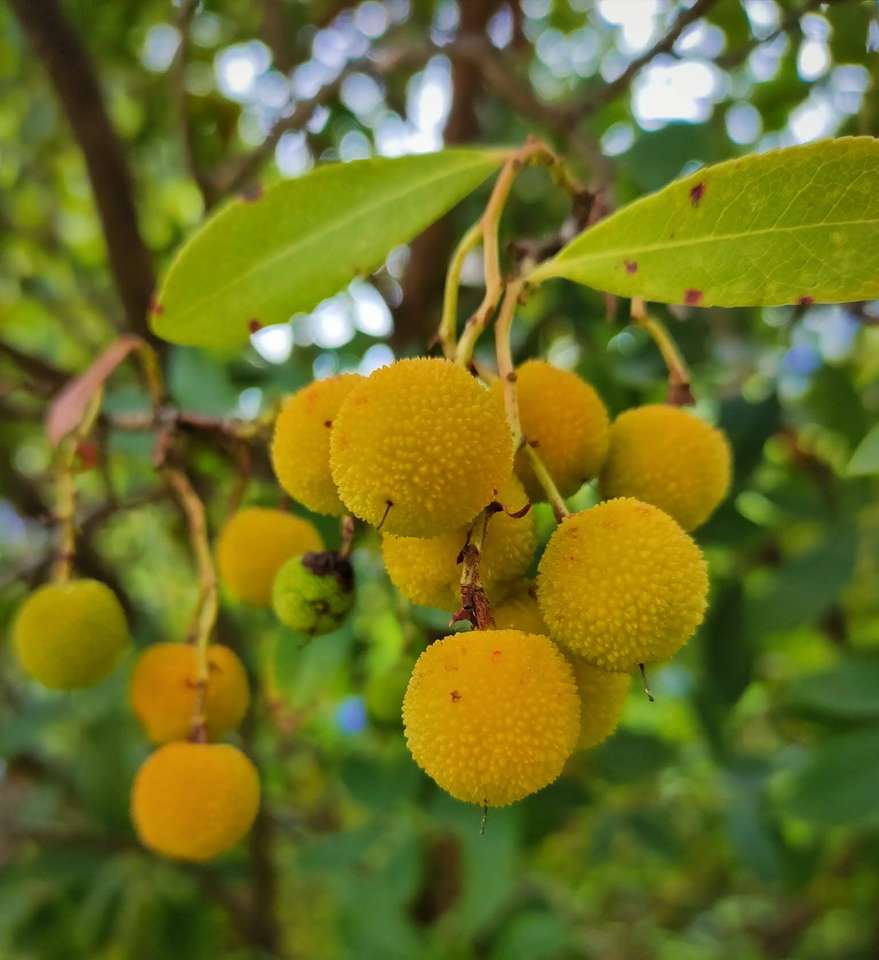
x=317 y=236
x=711 y=238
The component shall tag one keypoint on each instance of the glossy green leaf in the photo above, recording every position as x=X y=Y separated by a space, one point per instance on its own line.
x=865 y=459
x=262 y=259
x=790 y=226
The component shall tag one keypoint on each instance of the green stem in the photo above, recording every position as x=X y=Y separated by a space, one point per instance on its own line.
x=448 y=329
x=544 y=478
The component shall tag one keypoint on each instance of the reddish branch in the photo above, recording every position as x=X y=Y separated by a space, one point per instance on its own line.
x=76 y=85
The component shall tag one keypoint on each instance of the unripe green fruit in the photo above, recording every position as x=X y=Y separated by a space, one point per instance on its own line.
x=70 y=635
x=314 y=593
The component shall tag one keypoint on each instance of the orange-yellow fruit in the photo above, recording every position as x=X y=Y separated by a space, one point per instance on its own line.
x=301 y=442
x=602 y=694
x=164 y=684
x=492 y=715
x=602 y=697
x=519 y=610
x=70 y=635
x=193 y=801
x=666 y=456
x=420 y=445
x=566 y=421
x=622 y=584
x=255 y=544
x=426 y=569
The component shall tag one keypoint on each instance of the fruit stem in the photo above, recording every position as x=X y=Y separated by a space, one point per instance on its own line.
x=474 y=602
x=506 y=371
x=65 y=512
x=679 y=393
x=347 y=527
x=532 y=151
x=206 y=608
x=544 y=478
x=448 y=328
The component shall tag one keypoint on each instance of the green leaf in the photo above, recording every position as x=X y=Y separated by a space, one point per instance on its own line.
x=865 y=459
x=806 y=586
x=789 y=226
x=840 y=782
x=849 y=690
x=260 y=260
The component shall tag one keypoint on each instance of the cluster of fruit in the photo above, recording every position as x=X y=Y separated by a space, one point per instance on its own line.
x=422 y=451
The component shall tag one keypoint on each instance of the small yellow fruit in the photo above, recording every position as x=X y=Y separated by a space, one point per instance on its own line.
x=255 y=544
x=602 y=697
x=70 y=635
x=421 y=445
x=164 y=684
x=622 y=584
x=492 y=715
x=602 y=694
x=666 y=456
x=193 y=801
x=519 y=610
x=426 y=569
x=565 y=420
x=301 y=442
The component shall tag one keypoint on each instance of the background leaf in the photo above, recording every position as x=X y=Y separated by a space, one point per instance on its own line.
x=260 y=260
x=793 y=225
x=840 y=782
x=865 y=459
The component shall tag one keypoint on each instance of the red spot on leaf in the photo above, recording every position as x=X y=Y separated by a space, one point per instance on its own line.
x=252 y=195
x=253 y=325
x=806 y=301
x=692 y=297
x=631 y=266
x=156 y=308
x=696 y=193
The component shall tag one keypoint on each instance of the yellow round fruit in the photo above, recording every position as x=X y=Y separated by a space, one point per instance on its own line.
x=193 y=801
x=519 y=610
x=301 y=442
x=622 y=584
x=666 y=456
x=420 y=447
x=70 y=635
x=565 y=420
x=164 y=685
x=492 y=715
x=255 y=544
x=426 y=569
x=602 y=697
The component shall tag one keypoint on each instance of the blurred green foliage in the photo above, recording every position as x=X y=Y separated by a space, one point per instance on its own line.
x=736 y=817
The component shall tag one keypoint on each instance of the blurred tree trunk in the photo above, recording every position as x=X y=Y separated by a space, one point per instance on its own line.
x=418 y=314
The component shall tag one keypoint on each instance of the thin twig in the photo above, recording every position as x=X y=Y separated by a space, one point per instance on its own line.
x=679 y=389
x=448 y=328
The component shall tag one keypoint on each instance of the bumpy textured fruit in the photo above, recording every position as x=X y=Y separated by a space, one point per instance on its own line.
x=70 y=635
x=193 y=801
x=622 y=584
x=426 y=569
x=301 y=442
x=666 y=456
x=164 y=684
x=602 y=696
x=421 y=445
x=567 y=422
x=519 y=610
x=255 y=544
x=314 y=593
x=492 y=715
